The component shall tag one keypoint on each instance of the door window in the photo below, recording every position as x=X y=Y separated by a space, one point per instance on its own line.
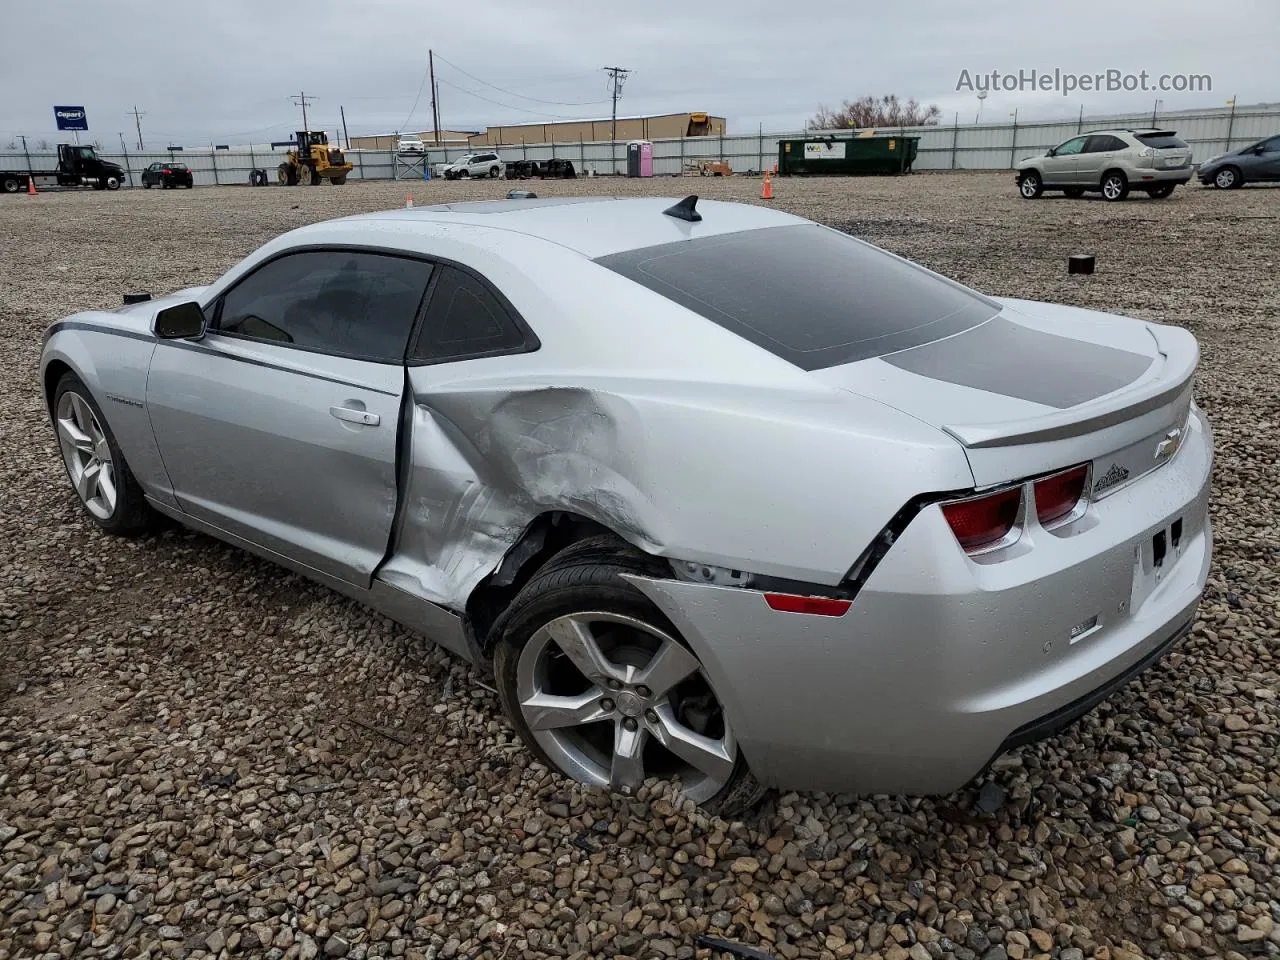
x=465 y=319
x=1070 y=148
x=340 y=302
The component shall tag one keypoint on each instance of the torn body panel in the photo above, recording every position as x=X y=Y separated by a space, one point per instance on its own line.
x=631 y=455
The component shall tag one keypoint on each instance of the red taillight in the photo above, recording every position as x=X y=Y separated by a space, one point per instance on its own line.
x=1058 y=495
x=982 y=521
x=166 y=171
x=820 y=606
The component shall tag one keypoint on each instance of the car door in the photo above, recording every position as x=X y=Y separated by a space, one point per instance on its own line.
x=152 y=174
x=1099 y=153
x=1265 y=163
x=1060 y=168
x=280 y=425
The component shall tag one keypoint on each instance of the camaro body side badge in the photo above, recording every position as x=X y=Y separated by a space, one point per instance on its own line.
x=1117 y=474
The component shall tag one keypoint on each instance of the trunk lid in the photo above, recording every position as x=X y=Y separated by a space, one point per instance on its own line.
x=1040 y=387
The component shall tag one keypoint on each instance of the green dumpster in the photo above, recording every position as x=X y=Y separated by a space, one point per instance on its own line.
x=847 y=155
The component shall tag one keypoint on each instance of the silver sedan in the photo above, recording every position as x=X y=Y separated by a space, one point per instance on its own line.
x=721 y=494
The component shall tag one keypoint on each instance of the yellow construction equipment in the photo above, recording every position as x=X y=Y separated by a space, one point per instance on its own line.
x=313 y=160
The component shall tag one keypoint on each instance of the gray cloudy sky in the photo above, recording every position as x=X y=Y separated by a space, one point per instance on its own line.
x=224 y=69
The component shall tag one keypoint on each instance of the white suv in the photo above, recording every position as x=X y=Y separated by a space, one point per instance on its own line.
x=410 y=145
x=475 y=165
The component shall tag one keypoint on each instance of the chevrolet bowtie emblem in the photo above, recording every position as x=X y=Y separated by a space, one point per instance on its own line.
x=1169 y=445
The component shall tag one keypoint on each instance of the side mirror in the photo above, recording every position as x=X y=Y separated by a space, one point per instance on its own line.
x=182 y=321
x=1051 y=151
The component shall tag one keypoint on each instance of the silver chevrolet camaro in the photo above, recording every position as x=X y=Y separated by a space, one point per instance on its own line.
x=721 y=494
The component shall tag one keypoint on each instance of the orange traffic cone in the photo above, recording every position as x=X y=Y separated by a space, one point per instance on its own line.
x=408 y=199
x=766 y=192
x=31 y=186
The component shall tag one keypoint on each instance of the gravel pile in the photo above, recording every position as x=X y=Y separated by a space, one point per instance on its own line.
x=203 y=755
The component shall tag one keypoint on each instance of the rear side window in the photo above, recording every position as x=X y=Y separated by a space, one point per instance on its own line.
x=465 y=319
x=812 y=296
x=1104 y=143
x=1162 y=141
x=344 y=303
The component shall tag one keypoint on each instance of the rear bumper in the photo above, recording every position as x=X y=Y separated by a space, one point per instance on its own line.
x=1058 y=720
x=943 y=662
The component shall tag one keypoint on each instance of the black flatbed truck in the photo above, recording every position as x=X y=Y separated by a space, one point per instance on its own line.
x=78 y=166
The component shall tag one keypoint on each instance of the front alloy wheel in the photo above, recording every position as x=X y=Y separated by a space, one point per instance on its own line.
x=87 y=455
x=1030 y=185
x=612 y=700
x=1226 y=179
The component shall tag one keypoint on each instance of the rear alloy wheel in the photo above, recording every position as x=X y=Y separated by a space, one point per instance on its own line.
x=1115 y=185
x=1030 y=185
x=97 y=469
x=601 y=688
x=1228 y=178
x=1159 y=193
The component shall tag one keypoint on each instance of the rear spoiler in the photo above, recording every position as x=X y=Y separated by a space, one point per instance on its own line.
x=1168 y=378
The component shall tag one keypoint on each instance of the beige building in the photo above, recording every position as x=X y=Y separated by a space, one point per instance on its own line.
x=661 y=127
x=388 y=141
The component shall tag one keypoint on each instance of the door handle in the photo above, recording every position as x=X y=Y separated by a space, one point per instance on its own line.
x=351 y=415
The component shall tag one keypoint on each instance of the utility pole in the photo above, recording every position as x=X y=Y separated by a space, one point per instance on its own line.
x=302 y=100
x=617 y=76
x=31 y=169
x=345 y=136
x=435 y=96
x=137 y=124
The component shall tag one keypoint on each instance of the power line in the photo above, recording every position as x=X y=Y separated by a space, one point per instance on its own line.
x=522 y=96
x=405 y=126
x=618 y=75
x=509 y=106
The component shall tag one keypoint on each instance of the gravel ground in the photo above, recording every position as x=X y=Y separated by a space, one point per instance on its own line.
x=203 y=755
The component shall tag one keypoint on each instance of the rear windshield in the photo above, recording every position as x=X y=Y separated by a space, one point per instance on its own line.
x=175 y=166
x=812 y=296
x=1161 y=141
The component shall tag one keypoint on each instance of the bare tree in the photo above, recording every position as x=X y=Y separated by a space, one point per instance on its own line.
x=886 y=111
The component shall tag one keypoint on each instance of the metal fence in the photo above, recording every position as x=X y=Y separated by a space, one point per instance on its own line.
x=958 y=146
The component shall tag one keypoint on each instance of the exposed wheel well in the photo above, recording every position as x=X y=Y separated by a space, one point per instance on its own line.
x=547 y=535
x=1109 y=171
x=52 y=374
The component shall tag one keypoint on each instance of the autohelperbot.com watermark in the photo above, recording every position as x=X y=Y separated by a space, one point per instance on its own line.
x=1067 y=83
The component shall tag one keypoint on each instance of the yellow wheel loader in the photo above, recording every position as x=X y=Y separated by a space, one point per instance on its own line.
x=313 y=160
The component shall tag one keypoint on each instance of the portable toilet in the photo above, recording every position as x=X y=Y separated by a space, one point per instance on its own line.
x=640 y=158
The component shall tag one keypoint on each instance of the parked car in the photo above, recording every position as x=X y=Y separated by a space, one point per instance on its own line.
x=1110 y=162
x=555 y=168
x=410 y=145
x=475 y=165
x=705 y=512
x=1256 y=163
x=167 y=175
